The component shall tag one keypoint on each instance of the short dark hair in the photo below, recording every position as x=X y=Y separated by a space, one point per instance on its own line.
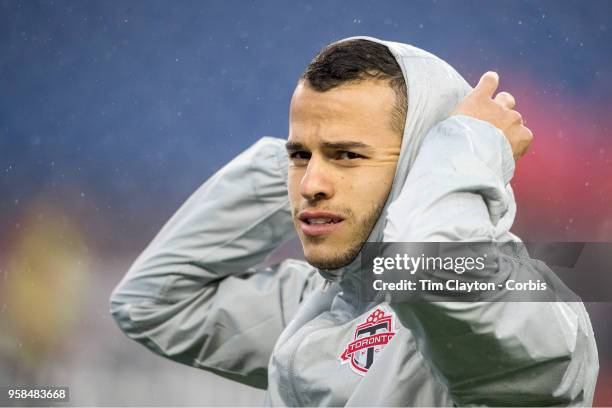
x=358 y=60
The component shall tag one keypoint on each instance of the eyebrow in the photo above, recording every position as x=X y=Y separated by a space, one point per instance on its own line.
x=340 y=145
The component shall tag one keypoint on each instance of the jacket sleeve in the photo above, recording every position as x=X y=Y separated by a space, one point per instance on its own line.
x=194 y=296
x=487 y=353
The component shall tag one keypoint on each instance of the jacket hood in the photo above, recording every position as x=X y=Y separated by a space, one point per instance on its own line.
x=434 y=89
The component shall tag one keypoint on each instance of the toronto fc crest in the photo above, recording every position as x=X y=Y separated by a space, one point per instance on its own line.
x=369 y=339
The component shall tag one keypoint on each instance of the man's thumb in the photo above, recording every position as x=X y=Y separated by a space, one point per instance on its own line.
x=488 y=84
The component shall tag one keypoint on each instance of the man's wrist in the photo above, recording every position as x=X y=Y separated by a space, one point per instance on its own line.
x=487 y=142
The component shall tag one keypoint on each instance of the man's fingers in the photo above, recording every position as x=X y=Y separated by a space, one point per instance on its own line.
x=521 y=142
x=487 y=85
x=506 y=100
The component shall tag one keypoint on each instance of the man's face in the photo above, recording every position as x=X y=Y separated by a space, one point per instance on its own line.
x=343 y=152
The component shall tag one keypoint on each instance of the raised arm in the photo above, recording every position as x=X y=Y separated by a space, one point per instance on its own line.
x=487 y=353
x=193 y=295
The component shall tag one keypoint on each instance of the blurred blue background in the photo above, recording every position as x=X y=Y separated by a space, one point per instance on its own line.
x=112 y=113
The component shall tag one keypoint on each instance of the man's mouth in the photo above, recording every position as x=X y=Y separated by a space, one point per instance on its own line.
x=317 y=223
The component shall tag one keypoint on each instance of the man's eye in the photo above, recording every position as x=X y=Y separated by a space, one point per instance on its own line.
x=348 y=155
x=300 y=155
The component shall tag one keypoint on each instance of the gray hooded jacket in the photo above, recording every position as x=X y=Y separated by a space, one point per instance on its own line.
x=195 y=295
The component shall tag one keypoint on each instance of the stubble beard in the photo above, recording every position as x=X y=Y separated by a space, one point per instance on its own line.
x=362 y=231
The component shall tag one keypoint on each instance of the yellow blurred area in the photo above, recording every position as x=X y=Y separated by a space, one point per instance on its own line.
x=46 y=277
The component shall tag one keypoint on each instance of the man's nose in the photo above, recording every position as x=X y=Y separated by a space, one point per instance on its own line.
x=316 y=183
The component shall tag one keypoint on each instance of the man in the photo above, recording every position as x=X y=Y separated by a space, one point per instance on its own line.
x=386 y=143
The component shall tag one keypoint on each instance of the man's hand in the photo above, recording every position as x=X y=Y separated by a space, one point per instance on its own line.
x=498 y=111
